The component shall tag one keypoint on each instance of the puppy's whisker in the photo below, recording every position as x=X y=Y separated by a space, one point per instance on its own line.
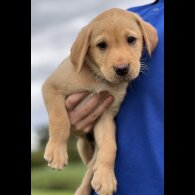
x=144 y=65
x=99 y=77
x=144 y=68
x=142 y=60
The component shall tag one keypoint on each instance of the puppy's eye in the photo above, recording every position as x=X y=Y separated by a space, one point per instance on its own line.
x=102 y=45
x=131 y=40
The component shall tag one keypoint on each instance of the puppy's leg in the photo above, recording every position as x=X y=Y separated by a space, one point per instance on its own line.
x=87 y=154
x=104 y=181
x=85 y=187
x=85 y=149
x=59 y=128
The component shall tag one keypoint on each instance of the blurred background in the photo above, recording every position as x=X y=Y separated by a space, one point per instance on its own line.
x=54 y=27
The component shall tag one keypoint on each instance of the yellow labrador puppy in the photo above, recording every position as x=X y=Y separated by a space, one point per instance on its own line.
x=104 y=57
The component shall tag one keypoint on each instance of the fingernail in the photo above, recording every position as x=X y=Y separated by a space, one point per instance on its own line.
x=110 y=98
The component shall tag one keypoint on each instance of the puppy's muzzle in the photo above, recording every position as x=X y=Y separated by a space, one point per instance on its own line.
x=121 y=69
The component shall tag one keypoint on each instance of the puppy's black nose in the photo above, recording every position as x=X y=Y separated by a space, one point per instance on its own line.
x=121 y=70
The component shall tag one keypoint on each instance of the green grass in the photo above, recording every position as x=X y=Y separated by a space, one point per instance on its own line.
x=44 y=178
x=47 y=192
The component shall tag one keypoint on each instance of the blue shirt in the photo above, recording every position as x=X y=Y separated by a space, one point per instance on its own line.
x=139 y=165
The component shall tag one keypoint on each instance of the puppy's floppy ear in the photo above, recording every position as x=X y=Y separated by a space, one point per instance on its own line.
x=149 y=34
x=80 y=47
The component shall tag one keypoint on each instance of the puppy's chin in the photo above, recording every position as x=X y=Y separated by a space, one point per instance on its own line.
x=111 y=77
x=118 y=79
x=115 y=79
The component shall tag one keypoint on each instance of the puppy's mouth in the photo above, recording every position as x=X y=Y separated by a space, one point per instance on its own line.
x=120 y=74
x=113 y=78
x=119 y=79
x=107 y=76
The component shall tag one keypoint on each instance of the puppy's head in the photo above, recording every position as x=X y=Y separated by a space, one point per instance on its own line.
x=112 y=44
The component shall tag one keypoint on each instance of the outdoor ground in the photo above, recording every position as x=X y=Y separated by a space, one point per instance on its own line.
x=45 y=181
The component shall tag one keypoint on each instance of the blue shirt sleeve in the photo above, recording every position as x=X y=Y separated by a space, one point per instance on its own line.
x=139 y=165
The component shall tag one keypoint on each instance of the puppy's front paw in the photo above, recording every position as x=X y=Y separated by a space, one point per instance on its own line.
x=104 y=181
x=56 y=155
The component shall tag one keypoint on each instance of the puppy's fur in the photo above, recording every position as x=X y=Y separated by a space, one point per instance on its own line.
x=100 y=48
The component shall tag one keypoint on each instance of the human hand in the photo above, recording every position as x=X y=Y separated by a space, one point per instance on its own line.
x=83 y=118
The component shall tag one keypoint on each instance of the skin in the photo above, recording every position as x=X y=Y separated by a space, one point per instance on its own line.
x=81 y=118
